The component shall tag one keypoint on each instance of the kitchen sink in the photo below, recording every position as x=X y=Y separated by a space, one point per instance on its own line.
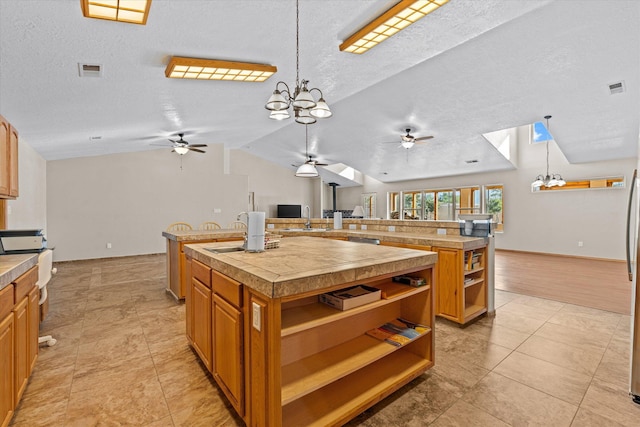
x=225 y=249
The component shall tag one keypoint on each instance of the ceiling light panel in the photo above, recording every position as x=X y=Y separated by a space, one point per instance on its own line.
x=400 y=16
x=214 y=69
x=131 y=11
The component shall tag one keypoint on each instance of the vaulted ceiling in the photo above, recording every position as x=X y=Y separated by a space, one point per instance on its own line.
x=469 y=68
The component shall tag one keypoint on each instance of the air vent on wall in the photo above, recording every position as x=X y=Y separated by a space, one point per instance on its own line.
x=616 y=88
x=90 y=70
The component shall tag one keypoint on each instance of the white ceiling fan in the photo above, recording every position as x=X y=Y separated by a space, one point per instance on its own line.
x=182 y=147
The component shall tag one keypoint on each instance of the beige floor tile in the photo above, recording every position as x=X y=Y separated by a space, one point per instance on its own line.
x=503 y=297
x=462 y=414
x=472 y=350
x=592 y=313
x=534 y=312
x=102 y=315
x=612 y=402
x=604 y=325
x=513 y=320
x=518 y=404
x=115 y=373
x=129 y=345
x=163 y=422
x=586 y=418
x=574 y=337
x=460 y=375
x=137 y=404
x=539 y=302
x=497 y=334
x=563 y=383
x=615 y=364
x=42 y=414
x=561 y=354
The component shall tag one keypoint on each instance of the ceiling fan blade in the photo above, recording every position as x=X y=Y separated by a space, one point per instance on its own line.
x=197 y=145
x=197 y=150
x=175 y=142
x=423 y=138
x=321 y=164
x=159 y=144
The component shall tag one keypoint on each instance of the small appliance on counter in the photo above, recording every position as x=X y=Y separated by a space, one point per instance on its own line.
x=476 y=225
x=22 y=242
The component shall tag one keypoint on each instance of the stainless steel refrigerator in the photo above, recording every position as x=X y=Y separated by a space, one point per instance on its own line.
x=633 y=266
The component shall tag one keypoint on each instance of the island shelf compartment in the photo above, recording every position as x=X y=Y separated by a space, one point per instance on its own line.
x=326 y=355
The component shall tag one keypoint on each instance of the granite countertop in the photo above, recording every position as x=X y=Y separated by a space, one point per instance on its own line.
x=443 y=241
x=191 y=235
x=14 y=266
x=308 y=264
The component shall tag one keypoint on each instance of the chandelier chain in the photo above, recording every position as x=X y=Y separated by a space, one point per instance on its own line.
x=297 y=45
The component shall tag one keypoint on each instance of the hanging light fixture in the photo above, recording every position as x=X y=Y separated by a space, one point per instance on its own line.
x=553 y=180
x=308 y=168
x=305 y=107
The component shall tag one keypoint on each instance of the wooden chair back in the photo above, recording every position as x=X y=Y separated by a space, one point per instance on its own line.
x=237 y=225
x=179 y=226
x=209 y=225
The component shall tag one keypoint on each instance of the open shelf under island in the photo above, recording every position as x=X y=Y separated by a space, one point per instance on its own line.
x=284 y=358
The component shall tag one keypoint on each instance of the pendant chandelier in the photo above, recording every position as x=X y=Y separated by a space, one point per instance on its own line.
x=305 y=108
x=308 y=168
x=553 y=180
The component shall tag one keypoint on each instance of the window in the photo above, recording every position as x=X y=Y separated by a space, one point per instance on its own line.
x=369 y=205
x=447 y=204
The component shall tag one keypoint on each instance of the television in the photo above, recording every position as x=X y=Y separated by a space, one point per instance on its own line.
x=289 y=211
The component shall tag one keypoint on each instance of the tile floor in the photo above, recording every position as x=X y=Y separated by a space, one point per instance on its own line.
x=122 y=359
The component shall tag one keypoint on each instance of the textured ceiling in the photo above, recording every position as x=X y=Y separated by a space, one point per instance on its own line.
x=469 y=68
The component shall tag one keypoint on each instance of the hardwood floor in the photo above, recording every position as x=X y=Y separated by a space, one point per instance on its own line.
x=592 y=283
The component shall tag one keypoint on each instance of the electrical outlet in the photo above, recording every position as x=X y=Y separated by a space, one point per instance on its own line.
x=271 y=226
x=8 y=210
x=392 y=228
x=363 y=227
x=217 y=210
x=352 y=226
x=580 y=244
x=256 y=316
x=108 y=245
x=442 y=231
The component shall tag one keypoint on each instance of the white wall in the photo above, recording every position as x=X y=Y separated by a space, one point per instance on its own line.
x=129 y=199
x=273 y=185
x=29 y=210
x=551 y=222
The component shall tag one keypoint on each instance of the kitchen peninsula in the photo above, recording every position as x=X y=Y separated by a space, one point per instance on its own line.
x=284 y=358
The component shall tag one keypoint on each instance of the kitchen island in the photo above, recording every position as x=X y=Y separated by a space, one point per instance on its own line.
x=284 y=358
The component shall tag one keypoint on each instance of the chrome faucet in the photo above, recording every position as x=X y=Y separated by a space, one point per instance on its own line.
x=246 y=235
x=307 y=224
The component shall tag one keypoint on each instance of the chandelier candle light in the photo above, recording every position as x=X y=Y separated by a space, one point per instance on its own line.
x=554 y=180
x=306 y=109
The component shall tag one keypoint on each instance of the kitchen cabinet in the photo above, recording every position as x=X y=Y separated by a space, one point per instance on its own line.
x=177 y=274
x=200 y=310
x=461 y=294
x=7 y=356
x=8 y=160
x=26 y=320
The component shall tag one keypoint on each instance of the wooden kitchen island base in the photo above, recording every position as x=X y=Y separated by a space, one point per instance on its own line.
x=284 y=358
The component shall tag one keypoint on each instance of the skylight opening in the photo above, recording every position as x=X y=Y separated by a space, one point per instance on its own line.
x=540 y=133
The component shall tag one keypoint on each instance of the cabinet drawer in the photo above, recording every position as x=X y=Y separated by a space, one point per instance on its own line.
x=24 y=283
x=227 y=288
x=6 y=300
x=201 y=272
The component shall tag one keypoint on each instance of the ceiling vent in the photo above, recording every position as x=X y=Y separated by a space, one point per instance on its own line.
x=616 y=88
x=471 y=161
x=90 y=70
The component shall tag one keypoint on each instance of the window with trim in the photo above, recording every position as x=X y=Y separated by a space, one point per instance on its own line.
x=447 y=204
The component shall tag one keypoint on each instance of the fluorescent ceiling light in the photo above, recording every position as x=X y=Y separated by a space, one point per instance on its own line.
x=131 y=11
x=400 y=16
x=214 y=69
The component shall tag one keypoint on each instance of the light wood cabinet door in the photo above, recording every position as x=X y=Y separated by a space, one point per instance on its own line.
x=34 y=326
x=201 y=323
x=5 y=169
x=7 y=379
x=13 y=162
x=448 y=279
x=21 y=349
x=228 y=351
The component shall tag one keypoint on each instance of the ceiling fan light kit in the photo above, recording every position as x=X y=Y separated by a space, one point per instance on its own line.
x=400 y=16
x=129 y=11
x=215 y=69
x=548 y=181
x=305 y=107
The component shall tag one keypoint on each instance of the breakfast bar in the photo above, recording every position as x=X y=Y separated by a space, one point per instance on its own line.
x=284 y=358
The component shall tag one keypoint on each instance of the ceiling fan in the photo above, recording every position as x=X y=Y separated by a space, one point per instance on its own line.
x=407 y=141
x=182 y=147
x=308 y=168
